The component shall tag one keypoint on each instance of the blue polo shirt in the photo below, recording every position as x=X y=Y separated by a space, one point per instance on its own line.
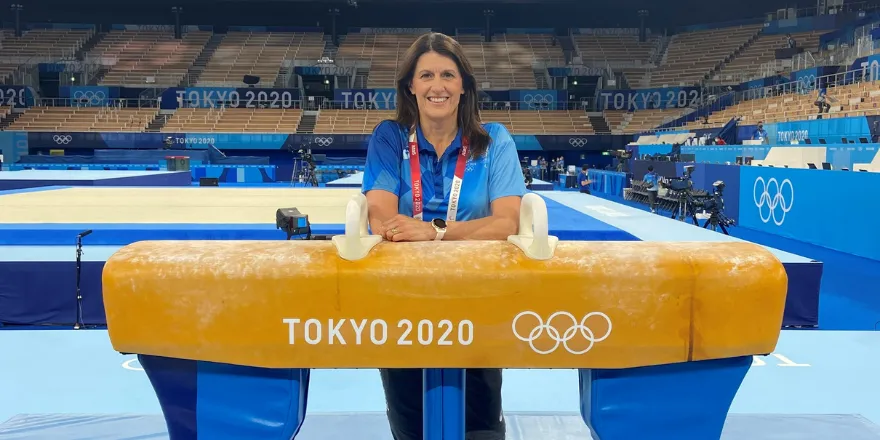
x=582 y=176
x=496 y=174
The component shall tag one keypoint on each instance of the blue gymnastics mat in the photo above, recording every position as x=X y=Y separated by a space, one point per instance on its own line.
x=565 y=223
x=11 y=180
x=356 y=180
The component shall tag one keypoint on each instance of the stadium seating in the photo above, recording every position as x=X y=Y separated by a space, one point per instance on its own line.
x=693 y=55
x=38 y=45
x=233 y=120
x=621 y=49
x=506 y=62
x=616 y=48
x=860 y=99
x=5 y=111
x=48 y=43
x=350 y=121
x=383 y=51
x=623 y=122
x=260 y=54
x=541 y=122
x=518 y=122
x=747 y=64
x=135 y=56
x=79 y=119
x=7 y=71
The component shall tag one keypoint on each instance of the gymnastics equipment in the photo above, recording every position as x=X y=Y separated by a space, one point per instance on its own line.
x=227 y=331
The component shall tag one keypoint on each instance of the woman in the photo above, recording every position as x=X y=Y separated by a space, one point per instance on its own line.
x=468 y=186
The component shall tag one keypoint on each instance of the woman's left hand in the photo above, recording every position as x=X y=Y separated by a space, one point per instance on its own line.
x=405 y=228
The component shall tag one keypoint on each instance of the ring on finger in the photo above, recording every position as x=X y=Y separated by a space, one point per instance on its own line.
x=394 y=231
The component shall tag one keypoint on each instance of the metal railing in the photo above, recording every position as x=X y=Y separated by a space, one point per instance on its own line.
x=847 y=7
x=104 y=103
x=315 y=103
x=803 y=60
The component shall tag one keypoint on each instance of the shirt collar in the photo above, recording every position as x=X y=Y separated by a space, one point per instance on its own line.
x=424 y=145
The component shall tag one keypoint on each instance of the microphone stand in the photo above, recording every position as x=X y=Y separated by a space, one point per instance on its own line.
x=79 y=318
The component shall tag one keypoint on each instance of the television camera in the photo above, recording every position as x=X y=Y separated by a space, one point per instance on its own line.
x=623 y=157
x=303 y=165
x=713 y=204
x=305 y=156
x=689 y=202
x=681 y=189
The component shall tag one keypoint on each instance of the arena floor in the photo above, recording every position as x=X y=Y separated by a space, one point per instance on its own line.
x=819 y=384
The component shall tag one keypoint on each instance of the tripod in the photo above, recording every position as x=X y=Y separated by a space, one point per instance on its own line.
x=303 y=173
x=684 y=209
x=716 y=222
x=79 y=313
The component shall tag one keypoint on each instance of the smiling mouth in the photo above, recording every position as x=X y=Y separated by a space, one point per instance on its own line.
x=438 y=100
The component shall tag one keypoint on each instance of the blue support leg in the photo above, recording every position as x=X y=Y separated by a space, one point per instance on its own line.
x=444 y=404
x=686 y=401
x=206 y=400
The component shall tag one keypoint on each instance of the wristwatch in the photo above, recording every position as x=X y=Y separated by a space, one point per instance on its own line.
x=440 y=226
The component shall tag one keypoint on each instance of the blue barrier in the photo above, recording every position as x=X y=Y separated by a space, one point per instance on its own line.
x=831 y=130
x=607 y=182
x=225 y=173
x=236 y=173
x=839 y=155
x=704 y=177
x=833 y=209
x=86 y=166
x=17 y=143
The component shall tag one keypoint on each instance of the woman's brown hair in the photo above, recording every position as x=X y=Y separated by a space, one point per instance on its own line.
x=468 y=106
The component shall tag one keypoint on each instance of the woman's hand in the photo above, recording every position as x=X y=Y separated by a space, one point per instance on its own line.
x=405 y=228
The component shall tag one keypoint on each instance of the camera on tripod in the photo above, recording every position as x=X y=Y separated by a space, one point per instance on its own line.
x=306 y=157
x=304 y=166
x=682 y=184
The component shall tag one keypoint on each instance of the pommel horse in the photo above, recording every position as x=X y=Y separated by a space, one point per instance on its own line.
x=662 y=334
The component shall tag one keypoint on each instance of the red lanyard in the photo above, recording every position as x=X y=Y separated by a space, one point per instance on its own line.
x=415 y=169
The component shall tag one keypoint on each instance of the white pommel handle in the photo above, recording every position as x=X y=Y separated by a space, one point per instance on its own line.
x=357 y=242
x=534 y=232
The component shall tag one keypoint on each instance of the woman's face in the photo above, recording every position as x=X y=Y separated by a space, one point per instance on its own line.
x=437 y=86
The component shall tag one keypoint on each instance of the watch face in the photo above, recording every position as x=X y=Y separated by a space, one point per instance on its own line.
x=440 y=223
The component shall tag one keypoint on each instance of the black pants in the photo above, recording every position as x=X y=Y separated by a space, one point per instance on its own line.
x=404 y=390
x=652 y=200
x=585 y=191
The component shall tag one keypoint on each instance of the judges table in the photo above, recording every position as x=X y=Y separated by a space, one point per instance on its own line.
x=662 y=333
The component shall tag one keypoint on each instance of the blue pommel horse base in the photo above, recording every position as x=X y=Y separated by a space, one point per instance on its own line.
x=661 y=333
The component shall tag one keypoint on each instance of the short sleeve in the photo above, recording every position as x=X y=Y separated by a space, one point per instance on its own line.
x=505 y=172
x=382 y=168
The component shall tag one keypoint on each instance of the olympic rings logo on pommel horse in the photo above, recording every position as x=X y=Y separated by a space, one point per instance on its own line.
x=566 y=336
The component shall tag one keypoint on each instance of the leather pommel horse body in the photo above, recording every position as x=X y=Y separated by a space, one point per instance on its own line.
x=661 y=333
